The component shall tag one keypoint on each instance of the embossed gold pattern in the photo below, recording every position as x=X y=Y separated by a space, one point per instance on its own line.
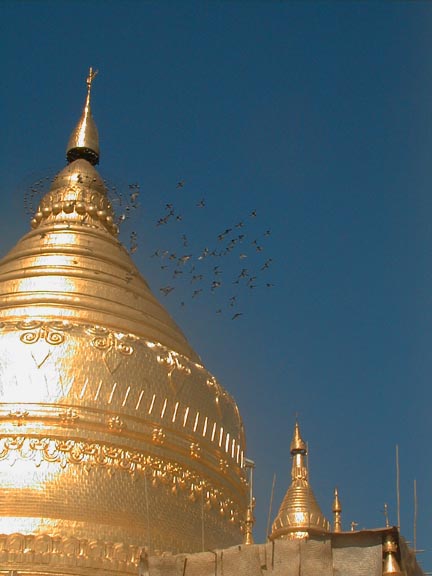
x=111 y=429
x=66 y=553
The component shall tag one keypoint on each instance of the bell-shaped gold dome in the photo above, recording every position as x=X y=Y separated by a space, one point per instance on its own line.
x=113 y=435
x=299 y=514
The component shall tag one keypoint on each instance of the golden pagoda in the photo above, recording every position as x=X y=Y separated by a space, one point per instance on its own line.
x=120 y=454
x=114 y=437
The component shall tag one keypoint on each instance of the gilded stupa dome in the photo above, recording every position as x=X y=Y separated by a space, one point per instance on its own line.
x=113 y=435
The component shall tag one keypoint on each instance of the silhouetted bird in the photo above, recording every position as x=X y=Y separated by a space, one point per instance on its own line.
x=204 y=254
x=166 y=290
x=222 y=236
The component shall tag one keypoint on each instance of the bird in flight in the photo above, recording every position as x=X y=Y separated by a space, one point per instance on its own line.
x=166 y=290
x=223 y=234
x=185 y=258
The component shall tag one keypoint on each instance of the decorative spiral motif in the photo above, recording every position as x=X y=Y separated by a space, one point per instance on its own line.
x=30 y=337
x=123 y=348
x=28 y=324
x=34 y=331
x=101 y=343
x=106 y=340
x=54 y=337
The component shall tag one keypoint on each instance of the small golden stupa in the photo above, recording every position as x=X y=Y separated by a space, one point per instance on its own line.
x=113 y=435
x=299 y=515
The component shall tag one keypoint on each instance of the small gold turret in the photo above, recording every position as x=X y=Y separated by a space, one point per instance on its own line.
x=337 y=512
x=390 y=563
x=249 y=524
x=299 y=514
x=84 y=140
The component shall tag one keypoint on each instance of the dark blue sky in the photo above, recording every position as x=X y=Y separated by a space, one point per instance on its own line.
x=318 y=116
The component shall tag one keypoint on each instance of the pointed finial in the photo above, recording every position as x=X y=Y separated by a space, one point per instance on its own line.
x=298 y=446
x=337 y=512
x=386 y=516
x=298 y=451
x=249 y=523
x=92 y=75
x=84 y=141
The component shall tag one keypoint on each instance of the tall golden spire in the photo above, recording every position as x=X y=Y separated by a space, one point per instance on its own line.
x=299 y=514
x=84 y=140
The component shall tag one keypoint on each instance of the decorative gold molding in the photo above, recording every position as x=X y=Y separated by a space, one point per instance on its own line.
x=68 y=416
x=52 y=551
x=175 y=364
x=51 y=332
x=108 y=341
x=114 y=459
x=116 y=423
x=158 y=436
x=19 y=415
x=195 y=450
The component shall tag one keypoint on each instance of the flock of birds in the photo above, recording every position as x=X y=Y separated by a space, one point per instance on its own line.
x=232 y=264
